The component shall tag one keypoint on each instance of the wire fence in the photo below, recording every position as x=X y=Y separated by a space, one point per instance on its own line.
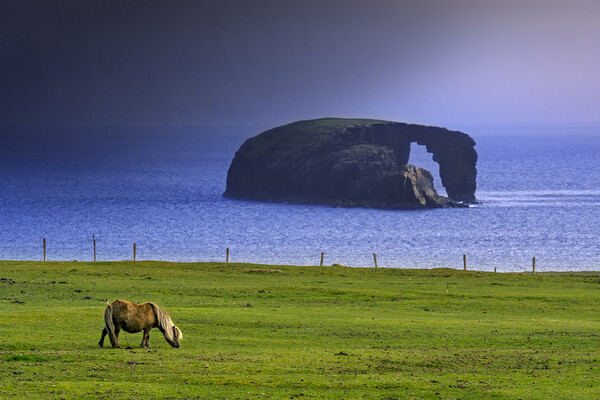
x=94 y=250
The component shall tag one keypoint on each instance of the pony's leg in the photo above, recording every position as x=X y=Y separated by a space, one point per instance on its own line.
x=116 y=345
x=145 y=339
x=101 y=342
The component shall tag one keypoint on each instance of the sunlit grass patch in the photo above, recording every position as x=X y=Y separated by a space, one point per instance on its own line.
x=259 y=331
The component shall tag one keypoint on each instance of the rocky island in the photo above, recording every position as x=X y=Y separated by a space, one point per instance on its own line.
x=353 y=163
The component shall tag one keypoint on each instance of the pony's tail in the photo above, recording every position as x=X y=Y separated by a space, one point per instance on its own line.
x=110 y=327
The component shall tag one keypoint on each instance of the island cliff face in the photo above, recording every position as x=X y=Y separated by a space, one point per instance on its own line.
x=353 y=163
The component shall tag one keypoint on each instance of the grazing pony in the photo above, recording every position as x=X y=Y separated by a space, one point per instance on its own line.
x=133 y=318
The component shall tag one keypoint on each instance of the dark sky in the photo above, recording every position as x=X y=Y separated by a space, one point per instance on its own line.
x=265 y=63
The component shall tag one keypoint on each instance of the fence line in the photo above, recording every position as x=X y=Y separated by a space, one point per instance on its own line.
x=47 y=245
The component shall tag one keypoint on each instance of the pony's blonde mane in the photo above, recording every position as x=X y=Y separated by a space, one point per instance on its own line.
x=164 y=322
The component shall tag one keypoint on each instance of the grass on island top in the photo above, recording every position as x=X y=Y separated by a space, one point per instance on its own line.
x=288 y=332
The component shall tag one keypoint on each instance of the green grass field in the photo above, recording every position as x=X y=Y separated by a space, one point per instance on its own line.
x=287 y=332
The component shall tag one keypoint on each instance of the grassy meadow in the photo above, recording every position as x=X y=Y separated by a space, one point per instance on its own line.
x=289 y=332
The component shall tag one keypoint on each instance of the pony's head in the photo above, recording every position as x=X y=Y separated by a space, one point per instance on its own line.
x=177 y=336
x=172 y=333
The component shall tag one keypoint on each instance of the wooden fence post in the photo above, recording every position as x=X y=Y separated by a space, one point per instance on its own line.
x=465 y=262
x=227 y=256
x=94 y=249
x=375 y=259
x=44 y=243
x=533 y=265
x=134 y=252
x=322 y=255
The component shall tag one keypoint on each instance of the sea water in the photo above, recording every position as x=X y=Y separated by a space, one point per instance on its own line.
x=161 y=188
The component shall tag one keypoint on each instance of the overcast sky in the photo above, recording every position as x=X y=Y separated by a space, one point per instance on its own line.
x=266 y=63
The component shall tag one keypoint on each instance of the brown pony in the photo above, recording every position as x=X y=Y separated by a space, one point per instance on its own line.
x=133 y=318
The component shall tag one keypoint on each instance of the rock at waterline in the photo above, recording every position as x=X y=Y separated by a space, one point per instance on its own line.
x=353 y=163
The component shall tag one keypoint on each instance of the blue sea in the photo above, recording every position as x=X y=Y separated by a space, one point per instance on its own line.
x=538 y=192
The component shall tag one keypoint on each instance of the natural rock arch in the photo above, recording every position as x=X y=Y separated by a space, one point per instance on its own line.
x=454 y=152
x=353 y=163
